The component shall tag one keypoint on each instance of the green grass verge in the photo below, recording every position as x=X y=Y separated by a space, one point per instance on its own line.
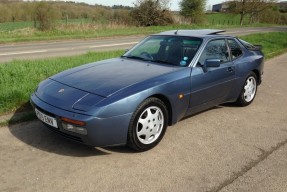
x=85 y=31
x=20 y=78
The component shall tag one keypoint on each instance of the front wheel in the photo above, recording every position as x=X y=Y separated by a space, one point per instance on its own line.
x=148 y=124
x=249 y=90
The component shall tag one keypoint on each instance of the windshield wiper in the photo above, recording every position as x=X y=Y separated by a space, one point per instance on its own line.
x=144 y=59
x=134 y=57
x=161 y=61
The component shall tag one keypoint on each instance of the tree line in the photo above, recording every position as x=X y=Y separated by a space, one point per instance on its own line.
x=12 y=11
x=256 y=10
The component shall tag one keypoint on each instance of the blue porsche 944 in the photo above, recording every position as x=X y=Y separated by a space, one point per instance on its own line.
x=132 y=99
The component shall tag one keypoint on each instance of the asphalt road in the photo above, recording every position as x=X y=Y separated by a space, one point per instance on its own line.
x=226 y=149
x=49 y=49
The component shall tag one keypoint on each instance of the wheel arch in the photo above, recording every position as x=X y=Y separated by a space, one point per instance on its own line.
x=166 y=101
x=258 y=76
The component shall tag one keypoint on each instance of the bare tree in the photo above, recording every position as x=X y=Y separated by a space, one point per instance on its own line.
x=249 y=7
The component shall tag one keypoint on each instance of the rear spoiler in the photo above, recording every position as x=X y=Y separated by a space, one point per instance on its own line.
x=255 y=48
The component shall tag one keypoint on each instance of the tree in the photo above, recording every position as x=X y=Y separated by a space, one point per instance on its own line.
x=45 y=15
x=193 y=10
x=151 y=13
x=250 y=7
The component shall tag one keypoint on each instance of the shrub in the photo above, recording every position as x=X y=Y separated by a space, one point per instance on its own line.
x=151 y=13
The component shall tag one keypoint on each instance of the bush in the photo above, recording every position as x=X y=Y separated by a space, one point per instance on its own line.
x=45 y=15
x=193 y=10
x=151 y=13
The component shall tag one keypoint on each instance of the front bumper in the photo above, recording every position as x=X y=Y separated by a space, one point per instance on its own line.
x=100 y=131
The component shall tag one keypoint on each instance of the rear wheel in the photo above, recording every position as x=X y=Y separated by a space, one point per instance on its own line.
x=249 y=90
x=148 y=124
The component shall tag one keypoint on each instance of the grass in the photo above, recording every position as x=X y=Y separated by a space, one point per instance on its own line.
x=20 y=78
x=224 y=18
x=84 y=28
x=10 y=26
x=82 y=31
x=85 y=31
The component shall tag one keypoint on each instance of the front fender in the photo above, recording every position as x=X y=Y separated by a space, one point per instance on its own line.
x=169 y=86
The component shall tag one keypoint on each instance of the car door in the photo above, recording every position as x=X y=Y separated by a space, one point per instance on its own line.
x=212 y=86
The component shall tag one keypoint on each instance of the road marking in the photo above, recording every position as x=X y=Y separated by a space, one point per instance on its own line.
x=21 y=53
x=117 y=44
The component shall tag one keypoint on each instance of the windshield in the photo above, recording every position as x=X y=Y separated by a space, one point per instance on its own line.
x=172 y=50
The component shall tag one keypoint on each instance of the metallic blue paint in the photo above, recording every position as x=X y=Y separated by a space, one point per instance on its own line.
x=105 y=94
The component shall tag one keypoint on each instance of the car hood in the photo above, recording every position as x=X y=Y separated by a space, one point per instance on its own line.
x=110 y=76
x=66 y=97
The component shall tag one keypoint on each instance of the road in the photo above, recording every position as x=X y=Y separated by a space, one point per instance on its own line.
x=225 y=149
x=36 y=50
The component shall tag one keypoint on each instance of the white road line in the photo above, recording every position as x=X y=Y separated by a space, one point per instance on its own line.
x=21 y=53
x=110 y=45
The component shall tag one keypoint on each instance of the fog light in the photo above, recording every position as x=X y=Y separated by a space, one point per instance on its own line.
x=74 y=128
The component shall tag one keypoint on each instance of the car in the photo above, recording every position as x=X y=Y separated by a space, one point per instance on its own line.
x=131 y=100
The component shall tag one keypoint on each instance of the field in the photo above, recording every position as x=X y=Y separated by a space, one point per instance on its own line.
x=20 y=78
x=85 y=28
x=223 y=19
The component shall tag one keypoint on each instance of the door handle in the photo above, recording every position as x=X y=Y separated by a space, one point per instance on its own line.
x=230 y=69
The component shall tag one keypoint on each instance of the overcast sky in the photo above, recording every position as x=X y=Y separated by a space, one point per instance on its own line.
x=174 y=3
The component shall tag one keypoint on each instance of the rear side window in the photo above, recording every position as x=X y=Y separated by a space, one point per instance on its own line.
x=234 y=49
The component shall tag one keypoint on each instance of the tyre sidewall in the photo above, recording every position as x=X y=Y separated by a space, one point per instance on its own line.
x=241 y=100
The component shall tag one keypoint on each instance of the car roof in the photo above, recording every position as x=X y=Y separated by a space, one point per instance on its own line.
x=194 y=33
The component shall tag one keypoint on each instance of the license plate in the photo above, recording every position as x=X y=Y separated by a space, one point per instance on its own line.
x=46 y=118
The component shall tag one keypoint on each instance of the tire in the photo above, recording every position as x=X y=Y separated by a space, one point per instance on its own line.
x=248 y=91
x=148 y=125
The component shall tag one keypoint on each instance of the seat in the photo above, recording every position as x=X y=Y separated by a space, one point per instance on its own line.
x=175 y=52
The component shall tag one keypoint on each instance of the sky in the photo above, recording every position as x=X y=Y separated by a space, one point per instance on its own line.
x=174 y=3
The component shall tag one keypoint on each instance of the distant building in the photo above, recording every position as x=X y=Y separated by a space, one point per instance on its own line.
x=221 y=7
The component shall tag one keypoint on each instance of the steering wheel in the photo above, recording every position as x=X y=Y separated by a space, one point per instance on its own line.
x=146 y=55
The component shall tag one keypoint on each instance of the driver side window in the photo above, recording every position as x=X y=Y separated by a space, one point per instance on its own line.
x=215 y=49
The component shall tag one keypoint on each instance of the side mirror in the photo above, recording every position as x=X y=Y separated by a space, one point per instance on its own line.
x=211 y=63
